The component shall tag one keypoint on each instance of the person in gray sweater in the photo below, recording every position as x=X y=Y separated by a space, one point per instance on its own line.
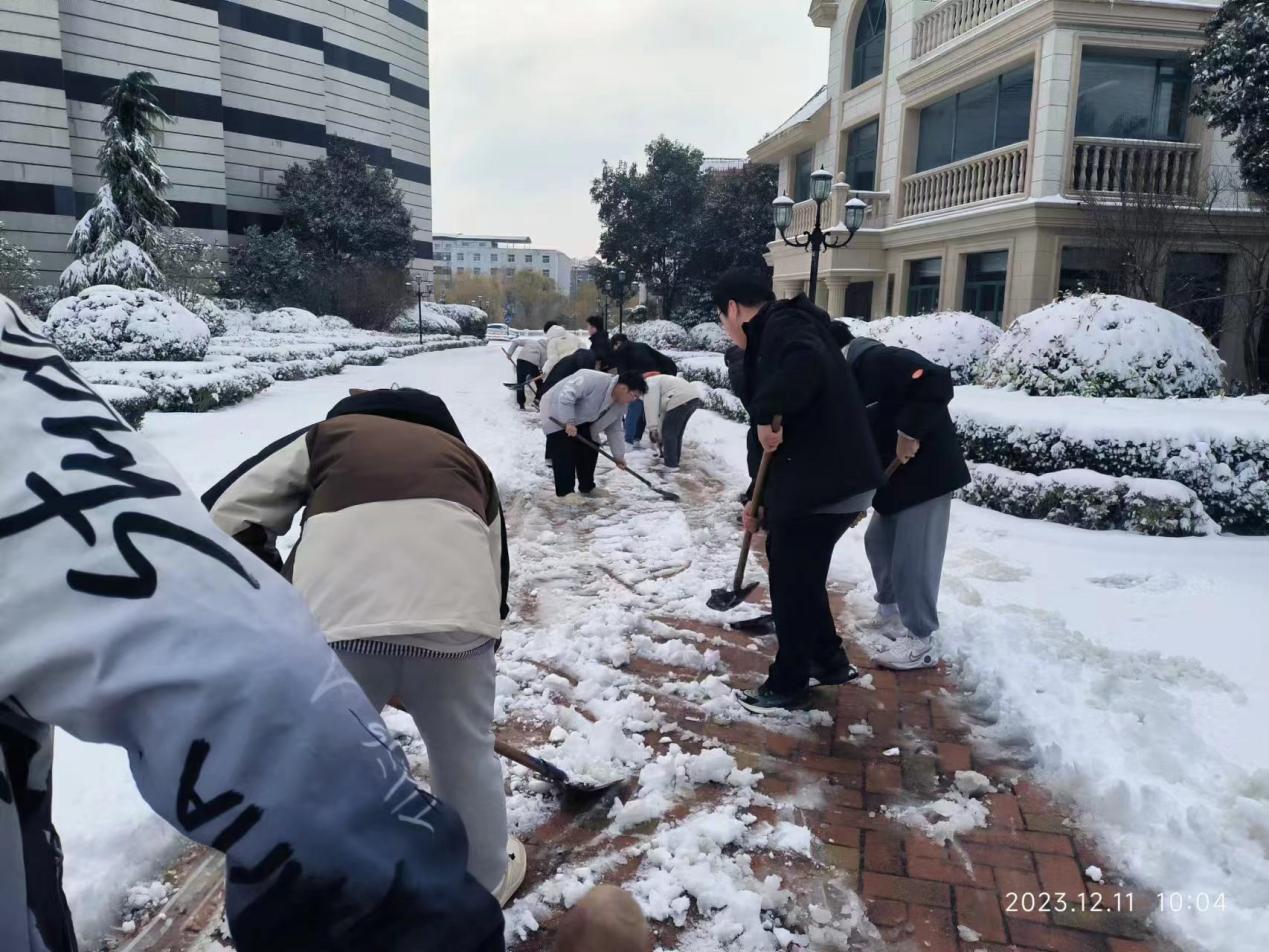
x=584 y=405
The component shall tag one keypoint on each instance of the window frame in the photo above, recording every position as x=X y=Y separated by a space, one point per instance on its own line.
x=795 y=176
x=851 y=155
x=1158 y=58
x=996 y=82
x=874 y=15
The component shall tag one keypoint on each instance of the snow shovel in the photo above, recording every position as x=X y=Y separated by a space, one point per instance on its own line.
x=573 y=789
x=528 y=384
x=664 y=493
x=725 y=599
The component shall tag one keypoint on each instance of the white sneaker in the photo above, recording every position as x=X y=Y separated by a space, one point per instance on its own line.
x=885 y=616
x=599 y=492
x=513 y=878
x=906 y=652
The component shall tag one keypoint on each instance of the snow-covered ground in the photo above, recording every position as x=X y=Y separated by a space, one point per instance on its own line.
x=1130 y=669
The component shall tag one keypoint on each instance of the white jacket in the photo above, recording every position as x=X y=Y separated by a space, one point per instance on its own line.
x=559 y=344
x=532 y=349
x=665 y=393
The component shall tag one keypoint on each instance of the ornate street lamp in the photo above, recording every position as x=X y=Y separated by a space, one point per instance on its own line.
x=838 y=236
x=418 y=294
x=621 y=300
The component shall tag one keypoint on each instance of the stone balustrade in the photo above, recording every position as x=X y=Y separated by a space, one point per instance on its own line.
x=951 y=18
x=993 y=175
x=1135 y=166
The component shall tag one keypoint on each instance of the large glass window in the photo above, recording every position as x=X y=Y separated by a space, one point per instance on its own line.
x=861 y=157
x=985 y=275
x=984 y=117
x=923 y=285
x=859 y=300
x=1195 y=288
x=870 y=43
x=802 y=167
x=1133 y=97
x=1084 y=270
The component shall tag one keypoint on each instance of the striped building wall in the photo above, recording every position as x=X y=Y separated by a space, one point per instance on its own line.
x=252 y=87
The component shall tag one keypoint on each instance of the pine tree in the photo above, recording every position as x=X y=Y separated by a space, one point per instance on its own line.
x=113 y=243
x=17 y=268
x=1231 y=72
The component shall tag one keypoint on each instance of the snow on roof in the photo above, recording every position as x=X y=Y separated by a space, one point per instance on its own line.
x=804 y=113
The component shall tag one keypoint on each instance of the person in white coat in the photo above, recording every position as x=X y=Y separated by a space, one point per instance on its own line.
x=584 y=405
x=668 y=404
x=560 y=342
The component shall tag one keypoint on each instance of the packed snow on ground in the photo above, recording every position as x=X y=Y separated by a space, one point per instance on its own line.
x=1130 y=668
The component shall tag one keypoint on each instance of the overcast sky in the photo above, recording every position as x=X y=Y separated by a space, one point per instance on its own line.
x=530 y=96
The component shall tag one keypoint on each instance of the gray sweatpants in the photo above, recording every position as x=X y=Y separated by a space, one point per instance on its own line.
x=906 y=551
x=452 y=701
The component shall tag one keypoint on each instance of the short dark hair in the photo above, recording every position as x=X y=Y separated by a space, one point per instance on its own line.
x=618 y=339
x=633 y=380
x=746 y=286
x=596 y=322
x=549 y=324
x=841 y=333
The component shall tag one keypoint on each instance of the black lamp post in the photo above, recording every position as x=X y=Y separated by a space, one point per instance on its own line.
x=418 y=294
x=817 y=239
x=621 y=300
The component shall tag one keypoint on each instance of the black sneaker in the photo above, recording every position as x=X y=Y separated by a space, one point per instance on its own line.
x=840 y=671
x=766 y=701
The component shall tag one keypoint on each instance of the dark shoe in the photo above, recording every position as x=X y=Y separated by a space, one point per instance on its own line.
x=839 y=671
x=766 y=701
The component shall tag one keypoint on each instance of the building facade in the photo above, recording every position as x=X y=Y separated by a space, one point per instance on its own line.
x=498 y=256
x=978 y=130
x=252 y=88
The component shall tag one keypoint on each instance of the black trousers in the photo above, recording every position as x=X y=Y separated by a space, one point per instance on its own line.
x=525 y=372
x=799 y=550
x=672 y=426
x=572 y=461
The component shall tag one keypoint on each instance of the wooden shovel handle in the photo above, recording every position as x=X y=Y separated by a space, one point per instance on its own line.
x=759 y=484
x=538 y=766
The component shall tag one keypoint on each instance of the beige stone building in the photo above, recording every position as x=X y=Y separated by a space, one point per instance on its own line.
x=972 y=128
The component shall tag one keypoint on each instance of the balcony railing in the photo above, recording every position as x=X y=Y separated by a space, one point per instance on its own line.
x=877 y=216
x=951 y=18
x=980 y=178
x=1135 y=166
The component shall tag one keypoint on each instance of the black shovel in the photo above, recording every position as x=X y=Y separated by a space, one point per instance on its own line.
x=725 y=599
x=665 y=493
x=572 y=789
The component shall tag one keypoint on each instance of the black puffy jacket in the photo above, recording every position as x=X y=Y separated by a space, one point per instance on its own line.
x=794 y=369
x=643 y=359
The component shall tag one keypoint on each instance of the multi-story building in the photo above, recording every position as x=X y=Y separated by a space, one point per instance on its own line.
x=978 y=130
x=252 y=86
x=498 y=256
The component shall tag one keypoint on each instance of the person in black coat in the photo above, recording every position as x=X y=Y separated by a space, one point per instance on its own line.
x=907 y=398
x=578 y=360
x=632 y=356
x=599 y=343
x=822 y=475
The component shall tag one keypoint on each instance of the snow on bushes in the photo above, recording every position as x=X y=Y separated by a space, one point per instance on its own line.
x=709 y=337
x=1218 y=447
x=333 y=322
x=470 y=319
x=407 y=322
x=365 y=356
x=663 y=335
x=725 y=404
x=953 y=339
x=1104 y=345
x=704 y=368
x=1091 y=500
x=287 y=320
x=211 y=314
x=194 y=386
x=130 y=402
x=304 y=368
x=106 y=322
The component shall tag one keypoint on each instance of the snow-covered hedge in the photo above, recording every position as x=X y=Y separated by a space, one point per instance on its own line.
x=303 y=368
x=211 y=314
x=131 y=402
x=365 y=356
x=1104 y=345
x=703 y=368
x=1090 y=500
x=470 y=319
x=106 y=322
x=1217 y=447
x=663 y=335
x=724 y=403
x=407 y=322
x=256 y=352
x=333 y=322
x=709 y=336
x=953 y=339
x=194 y=386
x=287 y=320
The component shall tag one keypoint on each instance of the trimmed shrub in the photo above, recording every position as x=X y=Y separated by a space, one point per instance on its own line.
x=1089 y=500
x=663 y=335
x=130 y=402
x=105 y=322
x=256 y=353
x=211 y=314
x=709 y=336
x=952 y=339
x=303 y=368
x=407 y=322
x=287 y=320
x=724 y=403
x=333 y=322
x=470 y=319
x=1104 y=345
x=367 y=357
x=192 y=386
x=712 y=372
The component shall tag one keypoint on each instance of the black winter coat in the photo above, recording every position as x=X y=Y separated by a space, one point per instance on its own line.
x=904 y=391
x=578 y=360
x=600 y=347
x=794 y=369
x=643 y=359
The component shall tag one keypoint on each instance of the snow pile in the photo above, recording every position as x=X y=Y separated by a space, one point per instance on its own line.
x=105 y=322
x=709 y=336
x=1217 y=447
x=944 y=819
x=1090 y=500
x=194 y=386
x=673 y=772
x=287 y=320
x=952 y=339
x=1104 y=345
x=663 y=335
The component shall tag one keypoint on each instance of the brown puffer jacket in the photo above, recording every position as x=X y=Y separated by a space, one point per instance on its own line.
x=402 y=532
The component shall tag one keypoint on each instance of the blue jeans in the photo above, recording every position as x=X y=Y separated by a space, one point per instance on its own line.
x=634 y=422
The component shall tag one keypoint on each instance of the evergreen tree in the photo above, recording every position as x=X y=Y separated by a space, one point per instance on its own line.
x=17 y=268
x=114 y=241
x=1231 y=72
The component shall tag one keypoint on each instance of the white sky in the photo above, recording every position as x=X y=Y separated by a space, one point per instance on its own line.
x=530 y=96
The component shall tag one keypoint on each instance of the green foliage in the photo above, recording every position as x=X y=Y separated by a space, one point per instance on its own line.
x=268 y=270
x=192 y=269
x=17 y=269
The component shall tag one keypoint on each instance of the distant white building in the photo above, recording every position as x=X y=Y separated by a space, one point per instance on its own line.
x=723 y=165
x=498 y=256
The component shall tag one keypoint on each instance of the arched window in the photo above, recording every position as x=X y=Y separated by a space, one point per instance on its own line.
x=870 y=43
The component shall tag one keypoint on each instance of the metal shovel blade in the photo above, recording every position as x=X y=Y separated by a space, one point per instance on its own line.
x=571 y=788
x=761 y=625
x=724 y=599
